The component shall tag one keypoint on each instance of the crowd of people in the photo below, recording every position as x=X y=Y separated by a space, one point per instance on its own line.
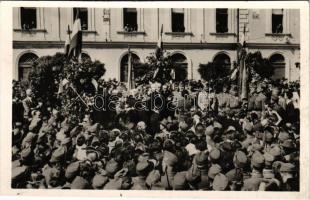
x=189 y=135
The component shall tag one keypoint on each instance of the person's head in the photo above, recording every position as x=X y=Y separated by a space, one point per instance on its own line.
x=181 y=87
x=29 y=92
x=165 y=88
x=141 y=126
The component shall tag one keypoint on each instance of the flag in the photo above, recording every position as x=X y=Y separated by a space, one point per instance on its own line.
x=76 y=41
x=155 y=72
x=94 y=83
x=233 y=75
x=67 y=42
x=242 y=39
x=159 y=46
x=244 y=82
x=129 y=69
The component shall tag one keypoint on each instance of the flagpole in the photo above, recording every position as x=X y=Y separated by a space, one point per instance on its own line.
x=129 y=69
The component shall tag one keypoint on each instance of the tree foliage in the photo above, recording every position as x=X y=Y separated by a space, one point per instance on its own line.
x=48 y=71
x=258 y=65
x=211 y=71
x=144 y=72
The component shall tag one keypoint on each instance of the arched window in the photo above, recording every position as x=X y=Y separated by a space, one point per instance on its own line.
x=85 y=56
x=25 y=65
x=278 y=63
x=124 y=66
x=222 y=64
x=181 y=66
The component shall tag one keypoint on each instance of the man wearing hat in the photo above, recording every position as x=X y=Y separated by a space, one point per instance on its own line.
x=260 y=100
x=233 y=102
x=235 y=176
x=257 y=165
x=168 y=167
x=289 y=177
x=223 y=98
x=28 y=103
x=248 y=130
x=143 y=169
x=201 y=162
x=220 y=182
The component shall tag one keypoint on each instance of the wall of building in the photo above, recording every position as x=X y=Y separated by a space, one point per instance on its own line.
x=106 y=41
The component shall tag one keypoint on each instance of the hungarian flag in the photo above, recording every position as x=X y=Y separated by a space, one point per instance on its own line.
x=130 y=84
x=76 y=41
x=159 y=46
x=67 y=43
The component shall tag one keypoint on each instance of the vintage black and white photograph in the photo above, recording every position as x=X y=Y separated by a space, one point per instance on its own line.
x=135 y=98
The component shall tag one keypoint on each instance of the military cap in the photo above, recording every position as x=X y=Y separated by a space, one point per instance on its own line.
x=29 y=139
x=99 y=181
x=287 y=167
x=72 y=170
x=200 y=129
x=214 y=170
x=268 y=136
x=248 y=127
x=19 y=172
x=215 y=154
x=283 y=135
x=65 y=140
x=191 y=149
x=230 y=129
x=50 y=174
x=268 y=159
x=275 y=151
x=57 y=155
x=257 y=159
x=142 y=166
x=179 y=181
x=288 y=144
x=183 y=126
x=217 y=124
x=264 y=122
x=170 y=158
x=210 y=130
x=257 y=147
x=111 y=167
x=140 y=146
x=240 y=159
x=220 y=182
x=79 y=183
x=153 y=178
x=26 y=153
x=201 y=159
x=113 y=184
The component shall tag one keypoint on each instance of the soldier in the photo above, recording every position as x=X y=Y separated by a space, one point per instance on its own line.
x=233 y=103
x=257 y=165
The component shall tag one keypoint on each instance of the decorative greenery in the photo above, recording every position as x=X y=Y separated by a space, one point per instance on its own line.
x=210 y=71
x=49 y=71
x=144 y=72
x=259 y=67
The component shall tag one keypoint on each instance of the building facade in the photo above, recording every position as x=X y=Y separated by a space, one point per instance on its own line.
x=192 y=36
